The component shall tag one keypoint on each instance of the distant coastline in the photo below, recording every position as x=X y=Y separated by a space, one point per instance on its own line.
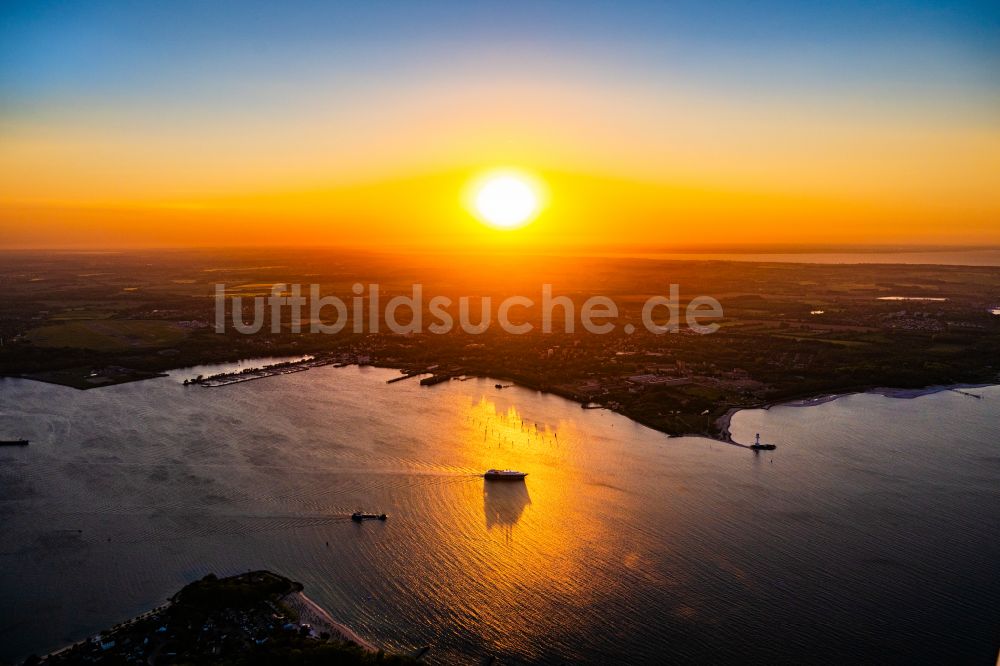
x=720 y=432
x=723 y=422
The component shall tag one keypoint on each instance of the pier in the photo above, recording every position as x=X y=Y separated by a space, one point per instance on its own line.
x=406 y=375
x=434 y=379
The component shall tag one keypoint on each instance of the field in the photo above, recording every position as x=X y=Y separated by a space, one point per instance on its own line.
x=789 y=331
x=108 y=335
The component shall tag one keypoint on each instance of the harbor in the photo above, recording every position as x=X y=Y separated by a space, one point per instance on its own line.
x=262 y=372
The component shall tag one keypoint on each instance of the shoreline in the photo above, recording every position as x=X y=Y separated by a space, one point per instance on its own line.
x=308 y=612
x=312 y=613
x=885 y=391
x=723 y=422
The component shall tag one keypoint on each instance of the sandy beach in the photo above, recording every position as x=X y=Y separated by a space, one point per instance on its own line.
x=312 y=613
x=908 y=394
x=723 y=424
x=904 y=394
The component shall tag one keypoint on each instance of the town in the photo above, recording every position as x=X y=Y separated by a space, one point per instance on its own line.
x=104 y=319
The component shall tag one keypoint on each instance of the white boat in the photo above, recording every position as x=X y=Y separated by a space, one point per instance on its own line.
x=504 y=475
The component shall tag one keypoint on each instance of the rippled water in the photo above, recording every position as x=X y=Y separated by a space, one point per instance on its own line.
x=872 y=533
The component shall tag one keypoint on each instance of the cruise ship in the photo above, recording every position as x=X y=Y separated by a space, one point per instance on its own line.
x=504 y=475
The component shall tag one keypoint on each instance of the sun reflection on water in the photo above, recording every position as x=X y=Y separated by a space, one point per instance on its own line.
x=532 y=539
x=503 y=504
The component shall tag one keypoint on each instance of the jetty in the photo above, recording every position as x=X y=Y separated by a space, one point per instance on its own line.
x=434 y=379
x=250 y=374
x=404 y=376
x=413 y=372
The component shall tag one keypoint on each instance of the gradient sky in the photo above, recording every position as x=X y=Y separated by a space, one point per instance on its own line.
x=659 y=124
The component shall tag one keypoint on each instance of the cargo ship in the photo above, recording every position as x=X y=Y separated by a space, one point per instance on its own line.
x=13 y=442
x=359 y=516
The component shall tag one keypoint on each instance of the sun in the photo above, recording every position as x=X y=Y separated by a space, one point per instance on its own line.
x=506 y=200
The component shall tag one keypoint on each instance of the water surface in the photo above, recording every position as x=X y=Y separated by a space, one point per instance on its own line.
x=932 y=257
x=871 y=534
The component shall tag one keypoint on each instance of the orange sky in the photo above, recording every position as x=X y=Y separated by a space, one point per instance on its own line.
x=628 y=157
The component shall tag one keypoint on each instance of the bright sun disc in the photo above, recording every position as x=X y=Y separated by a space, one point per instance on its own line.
x=506 y=201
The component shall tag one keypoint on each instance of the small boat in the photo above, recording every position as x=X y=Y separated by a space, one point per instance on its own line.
x=499 y=386
x=504 y=475
x=13 y=442
x=359 y=516
x=757 y=446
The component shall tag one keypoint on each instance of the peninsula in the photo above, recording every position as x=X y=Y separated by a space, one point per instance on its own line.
x=258 y=617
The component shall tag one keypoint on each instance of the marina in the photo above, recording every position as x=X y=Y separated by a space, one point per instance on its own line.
x=252 y=373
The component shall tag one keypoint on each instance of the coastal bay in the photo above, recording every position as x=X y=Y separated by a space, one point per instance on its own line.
x=131 y=491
